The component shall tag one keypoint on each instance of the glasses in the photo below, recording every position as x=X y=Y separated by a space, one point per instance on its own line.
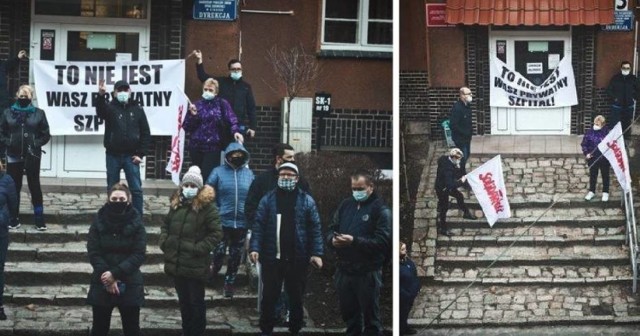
x=468 y=94
x=118 y=199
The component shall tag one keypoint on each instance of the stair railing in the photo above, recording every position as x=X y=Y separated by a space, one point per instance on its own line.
x=632 y=234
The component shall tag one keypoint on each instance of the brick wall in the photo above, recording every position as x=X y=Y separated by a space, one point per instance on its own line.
x=14 y=35
x=414 y=88
x=440 y=102
x=478 y=80
x=583 y=61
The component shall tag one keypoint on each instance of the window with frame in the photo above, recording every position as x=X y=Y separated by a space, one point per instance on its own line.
x=358 y=25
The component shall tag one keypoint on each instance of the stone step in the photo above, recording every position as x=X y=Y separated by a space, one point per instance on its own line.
x=538 y=235
x=66 y=252
x=585 y=221
x=583 y=255
x=155 y=297
x=65 y=273
x=58 y=233
x=535 y=275
x=85 y=216
x=525 y=306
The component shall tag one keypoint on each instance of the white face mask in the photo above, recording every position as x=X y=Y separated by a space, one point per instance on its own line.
x=469 y=99
x=208 y=95
x=189 y=193
x=123 y=96
x=625 y=72
x=597 y=128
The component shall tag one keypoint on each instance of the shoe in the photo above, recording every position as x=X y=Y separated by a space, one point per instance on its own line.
x=447 y=233
x=41 y=226
x=605 y=197
x=469 y=215
x=228 y=290
x=14 y=224
x=3 y=316
x=589 y=196
x=38 y=218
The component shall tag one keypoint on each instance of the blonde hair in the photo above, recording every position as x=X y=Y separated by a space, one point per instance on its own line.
x=211 y=81
x=600 y=118
x=25 y=89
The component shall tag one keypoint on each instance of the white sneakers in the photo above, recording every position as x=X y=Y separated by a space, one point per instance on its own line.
x=590 y=195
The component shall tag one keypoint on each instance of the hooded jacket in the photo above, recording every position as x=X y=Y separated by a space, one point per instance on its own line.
x=231 y=185
x=212 y=126
x=190 y=231
x=24 y=131
x=117 y=243
x=126 y=130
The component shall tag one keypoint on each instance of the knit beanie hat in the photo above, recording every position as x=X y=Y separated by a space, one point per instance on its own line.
x=194 y=176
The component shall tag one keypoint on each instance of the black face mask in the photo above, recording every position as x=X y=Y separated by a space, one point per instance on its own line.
x=24 y=102
x=117 y=207
x=236 y=161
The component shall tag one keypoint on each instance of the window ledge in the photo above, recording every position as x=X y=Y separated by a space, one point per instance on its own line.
x=355 y=54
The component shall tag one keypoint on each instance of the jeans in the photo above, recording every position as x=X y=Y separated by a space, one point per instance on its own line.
x=294 y=276
x=31 y=167
x=192 y=306
x=4 y=246
x=623 y=114
x=234 y=239
x=443 y=205
x=206 y=161
x=117 y=162
x=360 y=302
x=602 y=166
x=130 y=316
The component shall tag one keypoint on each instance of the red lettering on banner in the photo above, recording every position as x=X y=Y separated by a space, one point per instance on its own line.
x=175 y=144
x=618 y=153
x=495 y=195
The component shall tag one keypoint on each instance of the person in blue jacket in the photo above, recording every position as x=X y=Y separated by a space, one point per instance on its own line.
x=231 y=181
x=8 y=211
x=286 y=238
x=409 y=289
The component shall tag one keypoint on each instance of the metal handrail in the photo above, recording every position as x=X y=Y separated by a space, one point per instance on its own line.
x=632 y=234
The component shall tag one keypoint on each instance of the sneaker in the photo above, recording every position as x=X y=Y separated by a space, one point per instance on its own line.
x=41 y=226
x=605 y=197
x=589 y=196
x=3 y=316
x=228 y=290
x=14 y=224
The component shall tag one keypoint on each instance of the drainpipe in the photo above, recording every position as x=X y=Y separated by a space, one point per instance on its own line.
x=635 y=61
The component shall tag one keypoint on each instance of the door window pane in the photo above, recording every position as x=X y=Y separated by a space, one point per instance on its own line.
x=131 y=9
x=101 y=46
x=536 y=61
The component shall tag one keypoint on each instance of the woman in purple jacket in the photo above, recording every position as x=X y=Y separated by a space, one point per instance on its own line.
x=211 y=123
x=595 y=160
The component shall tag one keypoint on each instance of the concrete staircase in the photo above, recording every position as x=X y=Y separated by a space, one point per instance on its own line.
x=571 y=268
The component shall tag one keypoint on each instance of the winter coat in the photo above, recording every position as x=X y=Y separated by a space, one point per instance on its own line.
x=622 y=90
x=461 y=123
x=214 y=123
x=591 y=140
x=409 y=281
x=370 y=226
x=308 y=233
x=231 y=186
x=126 y=130
x=24 y=131
x=8 y=202
x=448 y=175
x=190 y=231
x=117 y=243
x=6 y=67
x=261 y=185
x=238 y=93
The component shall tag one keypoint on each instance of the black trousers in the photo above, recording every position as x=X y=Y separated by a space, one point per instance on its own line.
x=130 y=316
x=443 y=205
x=192 y=306
x=31 y=167
x=602 y=166
x=206 y=161
x=360 y=302
x=405 y=308
x=294 y=276
x=234 y=239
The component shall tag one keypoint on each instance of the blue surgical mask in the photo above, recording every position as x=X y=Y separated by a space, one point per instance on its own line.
x=208 y=95
x=287 y=184
x=189 y=193
x=360 y=195
x=123 y=96
x=236 y=75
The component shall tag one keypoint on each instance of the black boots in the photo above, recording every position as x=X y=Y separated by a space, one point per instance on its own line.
x=469 y=215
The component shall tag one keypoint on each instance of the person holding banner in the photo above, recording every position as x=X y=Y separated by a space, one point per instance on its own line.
x=623 y=91
x=126 y=137
x=448 y=179
x=209 y=124
x=462 y=125
x=23 y=131
x=236 y=91
x=596 y=162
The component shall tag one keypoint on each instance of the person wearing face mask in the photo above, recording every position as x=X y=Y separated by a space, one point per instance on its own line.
x=189 y=233
x=127 y=137
x=623 y=91
x=23 y=131
x=360 y=235
x=409 y=289
x=116 y=247
x=209 y=125
x=595 y=160
x=231 y=182
x=286 y=238
x=448 y=179
x=461 y=124
x=236 y=91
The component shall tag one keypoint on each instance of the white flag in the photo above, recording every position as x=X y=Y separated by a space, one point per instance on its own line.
x=174 y=165
x=612 y=147
x=487 y=183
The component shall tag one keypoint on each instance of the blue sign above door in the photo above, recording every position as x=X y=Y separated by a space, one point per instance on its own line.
x=215 y=10
x=623 y=21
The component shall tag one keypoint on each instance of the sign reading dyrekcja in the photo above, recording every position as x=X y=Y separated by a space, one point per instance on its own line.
x=511 y=89
x=67 y=92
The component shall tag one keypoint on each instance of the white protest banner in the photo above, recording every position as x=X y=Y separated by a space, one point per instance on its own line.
x=174 y=165
x=612 y=147
x=67 y=91
x=511 y=89
x=487 y=183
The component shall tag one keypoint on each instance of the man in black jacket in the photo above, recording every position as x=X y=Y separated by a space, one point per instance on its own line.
x=360 y=234
x=126 y=137
x=409 y=289
x=462 y=126
x=236 y=91
x=448 y=179
x=623 y=91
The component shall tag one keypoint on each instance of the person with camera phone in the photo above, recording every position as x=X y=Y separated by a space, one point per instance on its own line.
x=116 y=247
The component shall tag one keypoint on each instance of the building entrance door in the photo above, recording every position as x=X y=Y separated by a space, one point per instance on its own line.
x=533 y=54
